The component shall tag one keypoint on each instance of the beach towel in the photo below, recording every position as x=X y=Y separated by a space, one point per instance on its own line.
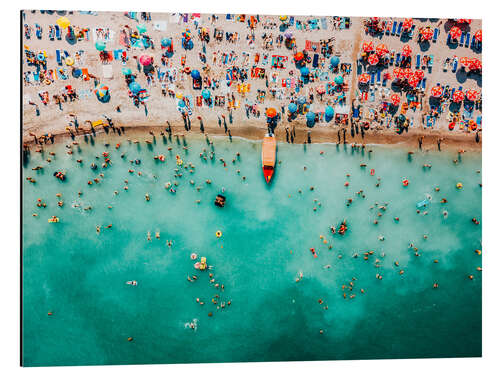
x=324 y=24
x=107 y=71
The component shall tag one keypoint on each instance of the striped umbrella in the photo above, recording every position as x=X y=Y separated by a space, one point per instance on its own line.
x=407 y=73
x=381 y=49
x=373 y=59
x=368 y=46
x=458 y=96
x=364 y=78
x=407 y=50
x=479 y=35
x=395 y=99
x=472 y=95
x=437 y=91
x=455 y=32
x=408 y=23
x=427 y=33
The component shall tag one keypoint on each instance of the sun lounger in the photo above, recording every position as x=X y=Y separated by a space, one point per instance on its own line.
x=462 y=39
x=479 y=120
x=454 y=65
x=417 y=62
x=388 y=28
x=378 y=77
x=467 y=40
x=435 y=35
x=448 y=39
x=394 y=26
x=372 y=78
x=58 y=32
x=398 y=59
x=58 y=57
x=430 y=63
x=400 y=27
x=424 y=83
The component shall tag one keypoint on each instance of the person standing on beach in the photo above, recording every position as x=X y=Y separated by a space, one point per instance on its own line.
x=439 y=140
x=287 y=136
x=344 y=131
x=338 y=136
x=308 y=136
x=420 y=141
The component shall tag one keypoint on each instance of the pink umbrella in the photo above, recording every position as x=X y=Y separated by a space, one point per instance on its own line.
x=427 y=33
x=406 y=50
x=455 y=32
x=382 y=50
x=479 y=35
x=458 y=96
x=437 y=91
x=395 y=99
x=472 y=95
x=364 y=78
x=145 y=60
x=373 y=59
x=408 y=23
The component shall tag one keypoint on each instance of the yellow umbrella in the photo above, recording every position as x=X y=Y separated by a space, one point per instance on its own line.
x=63 y=22
x=69 y=61
x=283 y=18
x=179 y=95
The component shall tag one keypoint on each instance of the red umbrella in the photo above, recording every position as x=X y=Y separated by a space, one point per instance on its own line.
x=437 y=91
x=382 y=49
x=472 y=95
x=475 y=64
x=455 y=32
x=395 y=99
x=406 y=50
x=463 y=20
x=413 y=81
x=298 y=56
x=465 y=61
x=364 y=78
x=427 y=33
x=458 y=96
x=407 y=73
x=479 y=35
x=368 y=46
x=419 y=74
x=373 y=59
x=408 y=23
x=398 y=72
x=374 y=19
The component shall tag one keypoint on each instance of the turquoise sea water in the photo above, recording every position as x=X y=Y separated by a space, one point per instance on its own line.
x=80 y=276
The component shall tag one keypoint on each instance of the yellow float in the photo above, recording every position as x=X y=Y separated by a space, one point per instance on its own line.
x=218 y=234
x=459 y=185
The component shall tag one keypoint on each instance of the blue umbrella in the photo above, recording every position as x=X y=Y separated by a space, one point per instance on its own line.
x=126 y=71
x=310 y=117
x=205 y=93
x=339 y=80
x=329 y=111
x=292 y=107
x=334 y=61
x=304 y=71
x=181 y=104
x=134 y=87
x=141 y=28
x=195 y=74
x=100 y=45
x=165 y=42
x=301 y=100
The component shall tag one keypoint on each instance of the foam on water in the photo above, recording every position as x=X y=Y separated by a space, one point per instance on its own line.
x=81 y=276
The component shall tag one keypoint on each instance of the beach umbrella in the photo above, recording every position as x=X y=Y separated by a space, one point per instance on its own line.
x=465 y=61
x=472 y=95
x=395 y=99
x=407 y=73
x=301 y=100
x=179 y=95
x=458 y=96
x=195 y=74
x=298 y=56
x=408 y=23
x=283 y=18
x=145 y=60
x=271 y=112
x=381 y=49
x=126 y=71
x=476 y=64
x=101 y=91
x=141 y=28
x=368 y=46
x=181 y=104
x=406 y=50
x=455 y=32
x=329 y=111
x=373 y=59
x=398 y=72
x=339 y=80
x=413 y=81
x=310 y=117
x=288 y=34
x=63 y=22
x=437 y=91
x=69 y=61
x=134 y=87
x=320 y=89
x=100 y=45
x=479 y=35
x=365 y=77
x=427 y=33
x=304 y=71
x=166 y=42
x=292 y=107
x=186 y=34
x=206 y=94
x=374 y=19
x=334 y=61
x=419 y=74
x=463 y=20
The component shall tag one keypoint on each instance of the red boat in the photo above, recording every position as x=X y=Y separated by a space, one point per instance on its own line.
x=268 y=156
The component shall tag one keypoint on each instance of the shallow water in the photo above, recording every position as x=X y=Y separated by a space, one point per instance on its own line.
x=80 y=276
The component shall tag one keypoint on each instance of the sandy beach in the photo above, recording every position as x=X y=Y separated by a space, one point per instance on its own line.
x=346 y=45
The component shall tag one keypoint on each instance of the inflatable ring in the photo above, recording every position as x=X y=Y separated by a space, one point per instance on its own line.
x=69 y=61
x=47 y=81
x=218 y=234
x=459 y=185
x=179 y=161
x=406 y=182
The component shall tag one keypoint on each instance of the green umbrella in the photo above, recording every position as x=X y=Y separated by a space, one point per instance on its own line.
x=126 y=71
x=100 y=45
x=141 y=28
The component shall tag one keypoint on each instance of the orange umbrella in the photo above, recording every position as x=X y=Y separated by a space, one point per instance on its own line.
x=398 y=72
x=382 y=49
x=472 y=95
x=437 y=91
x=299 y=56
x=368 y=46
x=408 y=23
x=373 y=59
x=455 y=32
x=407 y=73
x=406 y=50
x=271 y=112
x=364 y=78
x=395 y=99
x=479 y=35
x=458 y=96
x=427 y=33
